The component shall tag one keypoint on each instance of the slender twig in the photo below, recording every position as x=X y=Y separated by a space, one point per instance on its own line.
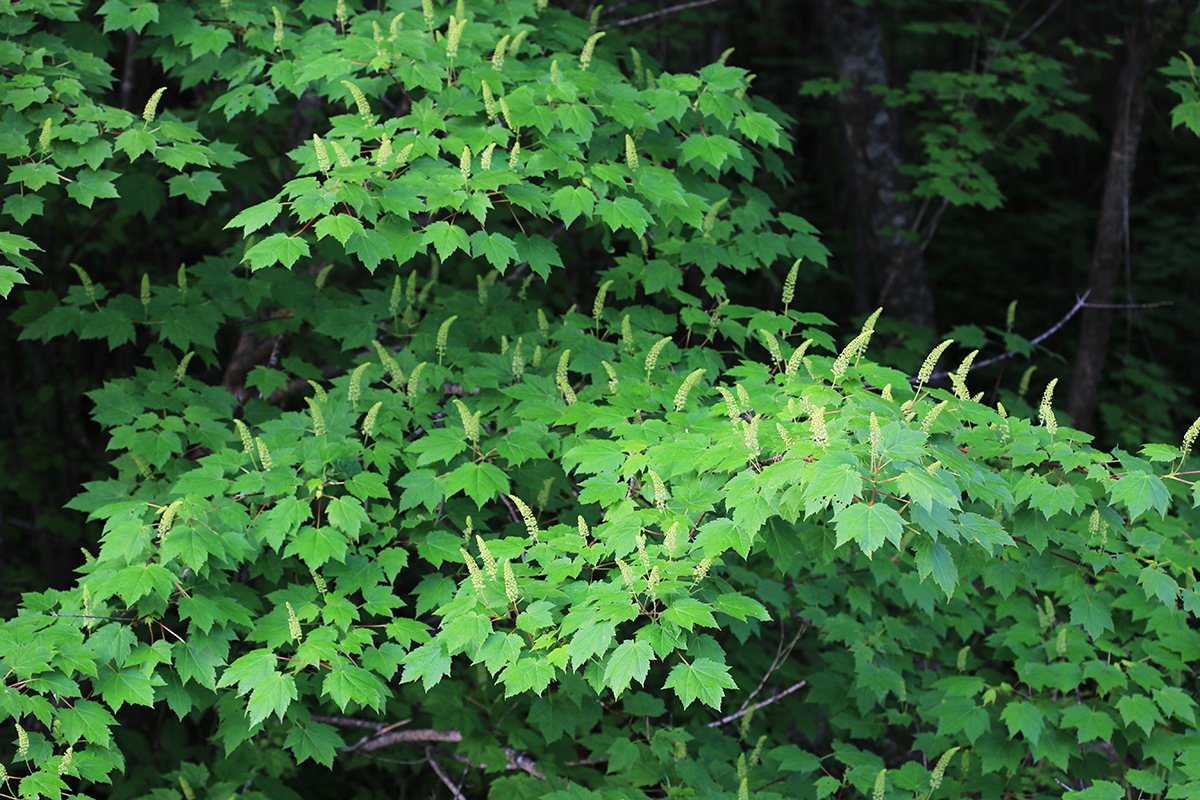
x=1159 y=304
x=757 y=706
x=660 y=13
x=782 y=652
x=1080 y=302
x=1037 y=24
x=458 y=795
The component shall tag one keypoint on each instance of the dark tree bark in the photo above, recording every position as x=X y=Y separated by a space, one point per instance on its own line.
x=1150 y=22
x=872 y=136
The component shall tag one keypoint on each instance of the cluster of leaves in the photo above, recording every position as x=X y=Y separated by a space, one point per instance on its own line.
x=542 y=535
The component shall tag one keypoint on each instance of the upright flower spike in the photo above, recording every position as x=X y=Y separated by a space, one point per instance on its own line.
x=464 y=163
x=485 y=160
x=264 y=455
x=355 y=390
x=789 y=283
x=151 y=109
x=414 y=384
x=293 y=623
x=490 y=106
x=526 y=515
x=181 y=370
x=516 y=42
x=931 y=361
x=561 y=380
x=652 y=356
x=343 y=158
x=427 y=11
x=318 y=418
x=510 y=584
x=518 y=361
x=660 y=490
x=43 y=144
x=277 y=40
x=89 y=288
x=443 y=335
x=453 y=36
x=772 y=345
x=613 y=383
x=1046 y=410
x=244 y=434
x=360 y=101
x=322 y=154
x=958 y=379
x=631 y=154
x=394 y=27
x=797 y=357
x=589 y=47
x=498 y=55
x=1026 y=377
x=473 y=570
x=688 y=384
x=485 y=553
x=598 y=303
x=1189 y=438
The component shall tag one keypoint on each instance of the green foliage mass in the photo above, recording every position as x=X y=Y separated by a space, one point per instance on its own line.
x=677 y=547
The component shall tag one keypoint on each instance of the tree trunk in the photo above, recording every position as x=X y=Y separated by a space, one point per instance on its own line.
x=872 y=135
x=1143 y=38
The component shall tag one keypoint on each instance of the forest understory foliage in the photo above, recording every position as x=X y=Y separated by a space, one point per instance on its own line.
x=384 y=516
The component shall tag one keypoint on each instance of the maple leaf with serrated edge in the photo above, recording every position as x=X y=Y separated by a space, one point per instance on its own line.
x=629 y=662
x=703 y=679
x=314 y=740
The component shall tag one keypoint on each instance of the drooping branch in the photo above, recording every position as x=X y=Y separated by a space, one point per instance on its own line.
x=662 y=12
x=1080 y=302
x=773 y=698
x=385 y=735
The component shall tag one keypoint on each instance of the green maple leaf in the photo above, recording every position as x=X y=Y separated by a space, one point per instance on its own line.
x=272 y=695
x=129 y=685
x=570 y=202
x=339 y=226
x=629 y=662
x=933 y=558
x=1091 y=723
x=256 y=216
x=1025 y=718
x=446 y=239
x=314 y=740
x=428 y=662
x=625 y=212
x=703 y=679
x=869 y=525
x=497 y=248
x=689 y=612
x=480 y=481
x=528 y=673
x=1094 y=615
x=592 y=639
x=278 y=248
x=1137 y=709
x=249 y=670
x=349 y=683
x=88 y=720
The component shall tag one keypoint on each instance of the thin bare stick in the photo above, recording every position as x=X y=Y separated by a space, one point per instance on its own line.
x=458 y=795
x=1159 y=304
x=348 y=722
x=782 y=652
x=757 y=706
x=662 y=12
x=1080 y=302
